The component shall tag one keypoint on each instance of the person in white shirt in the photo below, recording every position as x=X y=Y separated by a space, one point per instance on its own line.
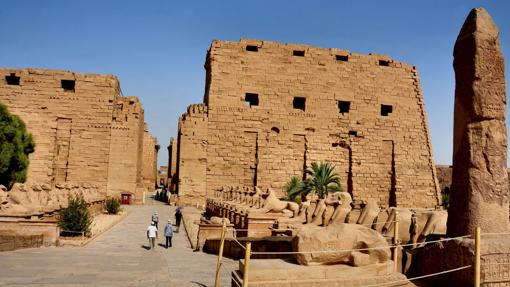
x=152 y=234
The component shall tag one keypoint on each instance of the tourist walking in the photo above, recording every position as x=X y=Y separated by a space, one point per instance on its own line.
x=169 y=232
x=155 y=218
x=178 y=217
x=152 y=234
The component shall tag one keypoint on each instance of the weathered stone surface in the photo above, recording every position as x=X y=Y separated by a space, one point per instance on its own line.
x=479 y=180
x=273 y=204
x=281 y=273
x=23 y=200
x=149 y=161
x=172 y=165
x=268 y=114
x=84 y=130
x=126 y=149
x=337 y=237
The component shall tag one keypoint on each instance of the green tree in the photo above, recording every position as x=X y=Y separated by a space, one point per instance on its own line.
x=75 y=218
x=112 y=205
x=294 y=188
x=322 y=180
x=15 y=146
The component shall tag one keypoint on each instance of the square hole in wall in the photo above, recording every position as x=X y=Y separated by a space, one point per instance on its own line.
x=386 y=110
x=384 y=63
x=12 y=79
x=298 y=53
x=342 y=58
x=68 y=85
x=299 y=103
x=353 y=133
x=251 y=99
x=344 y=106
x=252 y=48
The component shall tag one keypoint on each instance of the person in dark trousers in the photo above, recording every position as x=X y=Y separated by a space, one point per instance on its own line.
x=178 y=217
x=155 y=218
x=169 y=232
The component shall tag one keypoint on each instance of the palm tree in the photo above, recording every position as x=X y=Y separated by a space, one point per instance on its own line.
x=323 y=180
x=294 y=188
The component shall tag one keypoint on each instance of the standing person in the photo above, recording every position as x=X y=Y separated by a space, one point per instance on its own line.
x=155 y=218
x=169 y=232
x=178 y=217
x=152 y=234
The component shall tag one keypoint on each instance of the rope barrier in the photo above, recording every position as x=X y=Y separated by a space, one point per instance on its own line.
x=242 y=246
x=229 y=274
x=420 y=277
x=432 y=241
x=235 y=281
x=360 y=249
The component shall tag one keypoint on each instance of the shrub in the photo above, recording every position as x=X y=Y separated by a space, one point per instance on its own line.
x=293 y=189
x=15 y=146
x=323 y=180
x=112 y=205
x=75 y=218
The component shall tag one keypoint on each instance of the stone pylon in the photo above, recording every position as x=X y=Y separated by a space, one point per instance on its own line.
x=480 y=194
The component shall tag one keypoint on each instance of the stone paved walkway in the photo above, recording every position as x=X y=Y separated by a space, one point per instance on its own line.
x=118 y=257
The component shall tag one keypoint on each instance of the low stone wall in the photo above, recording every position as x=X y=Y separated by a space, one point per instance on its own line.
x=96 y=207
x=35 y=231
x=13 y=242
x=22 y=233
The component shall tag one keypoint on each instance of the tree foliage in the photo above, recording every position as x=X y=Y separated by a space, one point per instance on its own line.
x=75 y=218
x=321 y=181
x=15 y=146
x=294 y=188
x=112 y=205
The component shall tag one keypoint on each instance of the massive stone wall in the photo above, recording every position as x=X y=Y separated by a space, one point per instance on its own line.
x=73 y=143
x=125 y=169
x=192 y=154
x=149 y=160
x=270 y=109
x=84 y=130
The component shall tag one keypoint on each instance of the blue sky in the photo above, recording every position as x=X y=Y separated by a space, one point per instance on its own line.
x=158 y=48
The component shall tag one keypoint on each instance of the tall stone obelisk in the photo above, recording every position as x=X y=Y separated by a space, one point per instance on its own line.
x=480 y=194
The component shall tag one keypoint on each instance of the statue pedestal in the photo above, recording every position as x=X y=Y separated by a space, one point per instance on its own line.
x=260 y=225
x=210 y=230
x=279 y=273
